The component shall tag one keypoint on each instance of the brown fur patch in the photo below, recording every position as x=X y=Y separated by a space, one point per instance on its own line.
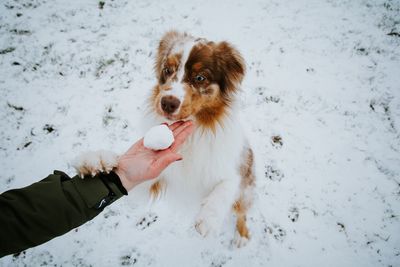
x=240 y=209
x=231 y=64
x=242 y=227
x=173 y=60
x=155 y=190
x=244 y=202
x=197 y=66
x=211 y=117
x=246 y=169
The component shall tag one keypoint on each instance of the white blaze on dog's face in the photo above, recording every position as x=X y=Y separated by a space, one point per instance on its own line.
x=196 y=78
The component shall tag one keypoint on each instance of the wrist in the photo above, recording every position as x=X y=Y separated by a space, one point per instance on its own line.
x=126 y=183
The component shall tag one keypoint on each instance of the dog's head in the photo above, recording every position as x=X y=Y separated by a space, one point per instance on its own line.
x=196 y=78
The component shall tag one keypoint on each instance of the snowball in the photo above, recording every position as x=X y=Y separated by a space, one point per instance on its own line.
x=158 y=138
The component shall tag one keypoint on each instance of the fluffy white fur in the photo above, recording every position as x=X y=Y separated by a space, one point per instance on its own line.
x=208 y=176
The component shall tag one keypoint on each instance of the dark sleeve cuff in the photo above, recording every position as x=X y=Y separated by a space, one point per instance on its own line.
x=114 y=178
x=99 y=191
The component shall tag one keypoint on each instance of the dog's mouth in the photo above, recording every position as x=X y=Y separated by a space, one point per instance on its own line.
x=174 y=118
x=171 y=118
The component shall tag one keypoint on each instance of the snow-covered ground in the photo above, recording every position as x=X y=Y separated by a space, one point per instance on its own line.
x=320 y=101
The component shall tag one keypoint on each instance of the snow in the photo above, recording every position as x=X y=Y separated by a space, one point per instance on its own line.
x=158 y=137
x=320 y=101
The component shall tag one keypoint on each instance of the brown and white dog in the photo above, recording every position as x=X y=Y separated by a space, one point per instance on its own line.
x=199 y=80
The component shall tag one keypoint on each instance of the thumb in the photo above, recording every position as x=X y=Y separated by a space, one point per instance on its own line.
x=163 y=162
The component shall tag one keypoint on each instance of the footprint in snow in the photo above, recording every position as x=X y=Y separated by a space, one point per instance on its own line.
x=276 y=231
x=293 y=214
x=146 y=221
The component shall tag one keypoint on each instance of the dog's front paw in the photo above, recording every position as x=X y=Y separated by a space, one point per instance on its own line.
x=207 y=223
x=240 y=241
x=94 y=162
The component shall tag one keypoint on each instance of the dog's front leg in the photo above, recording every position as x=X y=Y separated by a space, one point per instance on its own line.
x=93 y=162
x=216 y=206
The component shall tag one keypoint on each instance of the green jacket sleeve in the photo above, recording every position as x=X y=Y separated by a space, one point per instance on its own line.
x=51 y=207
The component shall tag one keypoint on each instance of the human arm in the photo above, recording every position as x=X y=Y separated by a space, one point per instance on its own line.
x=53 y=206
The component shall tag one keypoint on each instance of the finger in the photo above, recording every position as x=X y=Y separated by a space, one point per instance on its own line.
x=175 y=125
x=161 y=163
x=181 y=137
x=181 y=128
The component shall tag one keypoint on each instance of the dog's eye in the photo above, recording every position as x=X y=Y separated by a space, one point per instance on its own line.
x=167 y=71
x=199 y=78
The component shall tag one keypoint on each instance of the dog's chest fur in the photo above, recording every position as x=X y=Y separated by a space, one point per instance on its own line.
x=208 y=158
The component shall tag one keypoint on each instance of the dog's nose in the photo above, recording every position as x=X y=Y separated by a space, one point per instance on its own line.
x=169 y=104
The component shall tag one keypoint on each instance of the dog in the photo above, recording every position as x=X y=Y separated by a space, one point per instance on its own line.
x=199 y=80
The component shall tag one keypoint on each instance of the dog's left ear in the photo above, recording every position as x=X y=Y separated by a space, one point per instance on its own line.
x=231 y=66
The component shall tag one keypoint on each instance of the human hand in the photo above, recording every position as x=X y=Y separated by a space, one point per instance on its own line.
x=139 y=163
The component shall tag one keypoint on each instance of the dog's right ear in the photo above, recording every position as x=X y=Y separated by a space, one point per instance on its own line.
x=164 y=48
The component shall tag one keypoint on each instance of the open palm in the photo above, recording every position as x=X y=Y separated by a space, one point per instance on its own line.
x=139 y=163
